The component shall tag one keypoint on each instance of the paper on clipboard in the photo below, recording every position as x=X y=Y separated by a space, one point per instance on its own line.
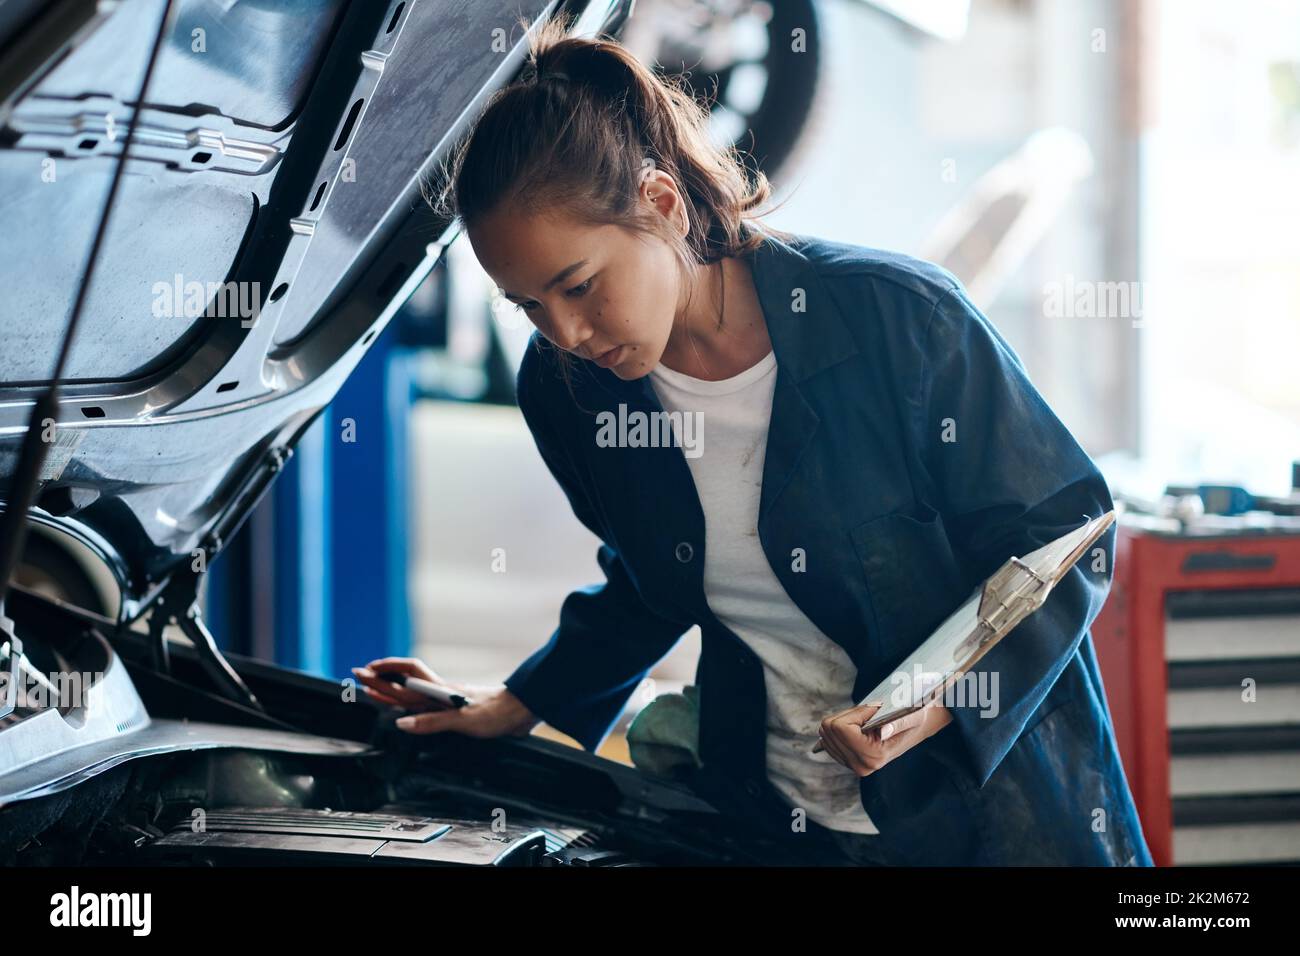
x=1015 y=591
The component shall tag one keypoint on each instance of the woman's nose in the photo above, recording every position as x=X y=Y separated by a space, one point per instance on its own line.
x=570 y=333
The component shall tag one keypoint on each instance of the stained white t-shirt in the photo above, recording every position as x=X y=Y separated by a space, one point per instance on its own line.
x=807 y=675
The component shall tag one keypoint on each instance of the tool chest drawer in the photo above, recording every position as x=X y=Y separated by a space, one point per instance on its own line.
x=1233 y=714
x=1199 y=649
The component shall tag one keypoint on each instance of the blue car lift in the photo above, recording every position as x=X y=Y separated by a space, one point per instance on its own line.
x=316 y=579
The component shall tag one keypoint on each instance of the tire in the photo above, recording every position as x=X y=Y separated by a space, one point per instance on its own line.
x=776 y=129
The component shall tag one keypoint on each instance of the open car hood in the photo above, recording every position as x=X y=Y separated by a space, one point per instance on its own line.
x=281 y=148
x=268 y=225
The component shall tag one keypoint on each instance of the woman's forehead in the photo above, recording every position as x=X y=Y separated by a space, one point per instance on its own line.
x=525 y=254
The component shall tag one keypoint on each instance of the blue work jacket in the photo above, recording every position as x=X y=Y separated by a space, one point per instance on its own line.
x=908 y=457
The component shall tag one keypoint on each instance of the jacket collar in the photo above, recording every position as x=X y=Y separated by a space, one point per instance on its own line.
x=806 y=342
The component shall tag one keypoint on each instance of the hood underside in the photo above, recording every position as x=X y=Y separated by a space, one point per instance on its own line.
x=268 y=224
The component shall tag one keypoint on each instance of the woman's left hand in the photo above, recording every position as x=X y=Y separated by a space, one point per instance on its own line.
x=864 y=753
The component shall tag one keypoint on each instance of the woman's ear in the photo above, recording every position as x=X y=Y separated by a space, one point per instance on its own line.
x=658 y=188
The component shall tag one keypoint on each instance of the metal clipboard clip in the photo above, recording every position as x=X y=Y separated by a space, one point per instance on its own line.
x=1021 y=586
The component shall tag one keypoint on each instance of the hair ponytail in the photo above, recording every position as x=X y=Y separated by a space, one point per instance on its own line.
x=576 y=131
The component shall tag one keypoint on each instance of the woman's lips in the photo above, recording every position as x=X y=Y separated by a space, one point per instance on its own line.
x=611 y=357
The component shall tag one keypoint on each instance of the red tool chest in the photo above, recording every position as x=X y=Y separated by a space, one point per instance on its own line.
x=1199 y=647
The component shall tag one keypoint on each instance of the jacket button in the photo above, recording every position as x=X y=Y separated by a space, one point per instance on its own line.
x=685 y=552
x=752 y=788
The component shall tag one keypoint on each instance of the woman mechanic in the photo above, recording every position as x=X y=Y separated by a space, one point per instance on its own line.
x=869 y=449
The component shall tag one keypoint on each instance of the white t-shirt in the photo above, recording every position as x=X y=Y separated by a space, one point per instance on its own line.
x=807 y=675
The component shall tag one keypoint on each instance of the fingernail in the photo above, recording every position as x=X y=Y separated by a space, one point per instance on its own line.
x=886 y=731
x=406 y=723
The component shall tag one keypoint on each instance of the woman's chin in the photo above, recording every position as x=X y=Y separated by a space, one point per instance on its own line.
x=632 y=368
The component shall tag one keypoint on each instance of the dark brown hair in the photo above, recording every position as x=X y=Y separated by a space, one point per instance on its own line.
x=577 y=129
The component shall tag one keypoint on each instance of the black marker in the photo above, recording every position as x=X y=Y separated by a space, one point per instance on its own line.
x=442 y=695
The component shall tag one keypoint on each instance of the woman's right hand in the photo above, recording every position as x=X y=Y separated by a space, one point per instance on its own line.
x=495 y=712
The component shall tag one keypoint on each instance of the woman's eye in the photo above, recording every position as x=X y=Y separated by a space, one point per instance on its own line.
x=578 y=291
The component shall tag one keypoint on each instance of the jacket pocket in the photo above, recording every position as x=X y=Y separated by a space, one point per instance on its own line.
x=912 y=578
x=1052 y=703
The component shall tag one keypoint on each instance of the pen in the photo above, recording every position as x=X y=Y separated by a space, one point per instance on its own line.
x=442 y=695
x=868 y=726
x=879 y=719
x=819 y=746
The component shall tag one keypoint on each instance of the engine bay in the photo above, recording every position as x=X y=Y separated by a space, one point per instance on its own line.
x=137 y=765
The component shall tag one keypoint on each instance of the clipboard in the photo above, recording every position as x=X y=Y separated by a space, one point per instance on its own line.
x=992 y=611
